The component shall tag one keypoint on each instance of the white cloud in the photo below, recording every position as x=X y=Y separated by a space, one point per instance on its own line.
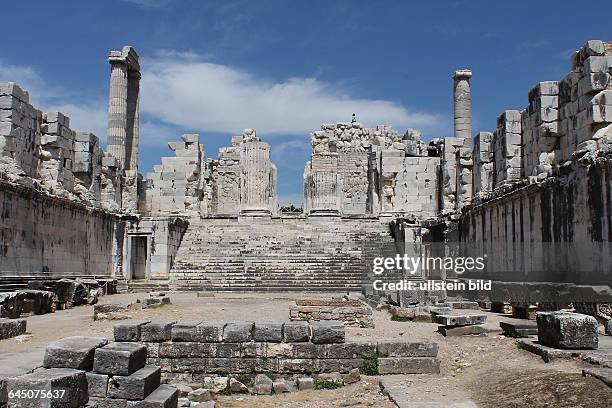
x=187 y=91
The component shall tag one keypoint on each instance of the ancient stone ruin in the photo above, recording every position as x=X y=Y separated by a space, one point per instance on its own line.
x=532 y=196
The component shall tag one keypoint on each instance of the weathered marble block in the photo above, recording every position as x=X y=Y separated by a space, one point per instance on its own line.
x=136 y=386
x=567 y=330
x=296 y=332
x=459 y=320
x=165 y=396
x=156 y=332
x=128 y=332
x=328 y=332
x=120 y=358
x=73 y=352
x=70 y=384
x=420 y=348
x=408 y=365
x=270 y=332
x=238 y=332
x=97 y=385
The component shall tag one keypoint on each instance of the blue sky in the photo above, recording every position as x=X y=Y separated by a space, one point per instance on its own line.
x=285 y=67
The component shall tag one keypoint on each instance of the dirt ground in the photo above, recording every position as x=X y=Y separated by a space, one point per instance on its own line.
x=492 y=371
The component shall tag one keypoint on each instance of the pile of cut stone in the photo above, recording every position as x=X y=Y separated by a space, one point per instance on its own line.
x=459 y=324
x=88 y=371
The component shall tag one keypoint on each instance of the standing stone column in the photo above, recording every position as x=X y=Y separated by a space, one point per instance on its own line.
x=123 y=120
x=255 y=178
x=117 y=109
x=323 y=191
x=462 y=103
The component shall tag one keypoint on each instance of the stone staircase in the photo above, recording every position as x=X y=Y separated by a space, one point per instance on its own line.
x=279 y=254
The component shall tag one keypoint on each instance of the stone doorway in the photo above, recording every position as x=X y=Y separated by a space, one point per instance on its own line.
x=139 y=257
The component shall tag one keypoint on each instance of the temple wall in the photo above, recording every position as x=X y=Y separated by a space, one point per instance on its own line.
x=43 y=235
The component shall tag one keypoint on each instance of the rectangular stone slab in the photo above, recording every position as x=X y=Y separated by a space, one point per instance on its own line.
x=238 y=332
x=73 y=352
x=120 y=358
x=73 y=382
x=156 y=332
x=454 y=331
x=136 y=386
x=296 y=332
x=519 y=329
x=269 y=332
x=328 y=332
x=128 y=331
x=165 y=396
x=413 y=348
x=408 y=365
x=459 y=320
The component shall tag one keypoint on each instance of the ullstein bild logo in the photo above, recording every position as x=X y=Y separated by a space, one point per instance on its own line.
x=418 y=267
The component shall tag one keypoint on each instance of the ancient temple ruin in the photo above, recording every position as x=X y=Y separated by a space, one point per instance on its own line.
x=541 y=176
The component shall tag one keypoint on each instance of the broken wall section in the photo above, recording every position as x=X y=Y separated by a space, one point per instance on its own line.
x=175 y=186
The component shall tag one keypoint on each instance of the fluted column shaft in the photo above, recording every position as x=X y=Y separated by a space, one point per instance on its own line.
x=117 y=111
x=255 y=180
x=323 y=186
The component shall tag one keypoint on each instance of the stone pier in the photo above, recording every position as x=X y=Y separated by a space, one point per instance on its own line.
x=323 y=191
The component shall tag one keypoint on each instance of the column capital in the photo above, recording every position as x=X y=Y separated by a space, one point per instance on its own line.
x=462 y=74
x=127 y=56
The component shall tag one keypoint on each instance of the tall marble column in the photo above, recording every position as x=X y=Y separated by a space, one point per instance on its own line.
x=123 y=118
x=324 y=192
x=462 y=103
x=255 y=178
x=117 y=109
x=123 y=121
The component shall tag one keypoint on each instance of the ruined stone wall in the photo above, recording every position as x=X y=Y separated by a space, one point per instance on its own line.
x=175 y=186
x=556 y=231
x=242 y=179
x=44 y=235
x=356 y=170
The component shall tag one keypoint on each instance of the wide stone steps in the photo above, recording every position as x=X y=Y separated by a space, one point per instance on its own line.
x=277 y=254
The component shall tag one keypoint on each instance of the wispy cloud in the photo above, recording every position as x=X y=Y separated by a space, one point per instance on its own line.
x=188 y=91
x=149 y=3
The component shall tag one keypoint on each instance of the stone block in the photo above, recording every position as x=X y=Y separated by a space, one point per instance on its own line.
x=459 y=320
x=156 y=332
x=603 y=374
x=201 y=395
x=608 y=327
x=238 y=387
x=184 y=332
x=128 y=331
x=518 y=329
x=412 y=348
x=136 y=386
x=348 y=350
x=70 y=385
x=238 y=332
x=210 y=332
x=12 y=328
x=165 y=396
x=262 y=385
x=268 y=332
x=567 y=330
x=97 y=385
x=296 y=332
x=328 y=332
x=120 y=358
x=408 y=365
x=73 y=352
x=352 y=377
x=98 y=402
x=470 y=330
